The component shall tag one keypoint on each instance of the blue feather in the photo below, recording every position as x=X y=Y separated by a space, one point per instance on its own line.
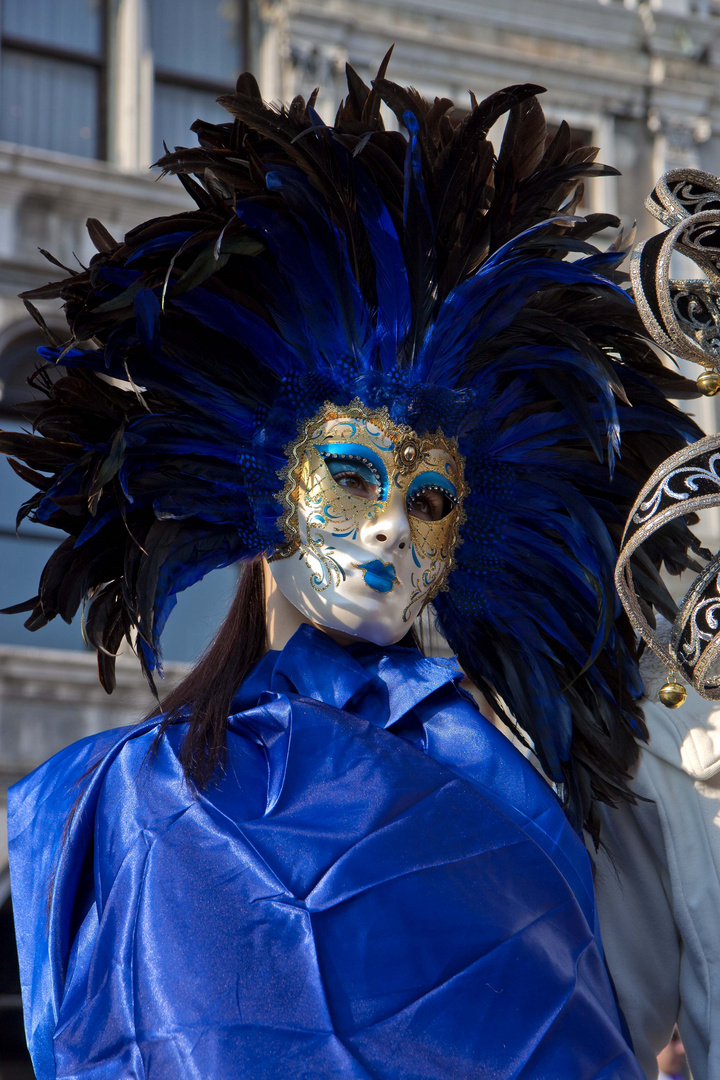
x=312 y=301
x=168 y=242
x=241 y=325
x=391 y=279
x=194 y=555
x=459 y=325
x=147 y=316
x=117 y=276
x=329 y=255
x=414 y=183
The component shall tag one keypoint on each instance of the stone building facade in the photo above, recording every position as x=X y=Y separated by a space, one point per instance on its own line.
x=639 y=78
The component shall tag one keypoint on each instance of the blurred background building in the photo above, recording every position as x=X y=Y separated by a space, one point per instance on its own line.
x=90 y=90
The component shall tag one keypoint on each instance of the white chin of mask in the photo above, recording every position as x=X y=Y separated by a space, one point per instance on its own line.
x=352 y=589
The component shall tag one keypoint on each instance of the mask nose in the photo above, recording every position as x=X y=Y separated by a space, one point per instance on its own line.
x=389 y=531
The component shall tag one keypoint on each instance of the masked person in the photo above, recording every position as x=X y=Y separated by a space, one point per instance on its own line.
x=365 y=367
x=671 y=1060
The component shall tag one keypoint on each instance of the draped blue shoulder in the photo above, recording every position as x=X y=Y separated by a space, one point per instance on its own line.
x=379 y=887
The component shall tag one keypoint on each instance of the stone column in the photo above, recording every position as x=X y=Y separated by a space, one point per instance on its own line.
x=268 y=52
x=130 y=85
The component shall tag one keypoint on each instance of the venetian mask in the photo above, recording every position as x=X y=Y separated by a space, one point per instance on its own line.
x=372 y=513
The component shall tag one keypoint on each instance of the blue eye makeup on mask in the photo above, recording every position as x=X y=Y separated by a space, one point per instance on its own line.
x=433 y=481
x=344 y=466
x=354 y=457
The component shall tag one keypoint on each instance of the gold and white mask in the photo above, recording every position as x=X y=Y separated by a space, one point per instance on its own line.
x=372 y=514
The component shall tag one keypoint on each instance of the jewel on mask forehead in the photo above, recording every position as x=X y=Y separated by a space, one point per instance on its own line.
x=407 y=452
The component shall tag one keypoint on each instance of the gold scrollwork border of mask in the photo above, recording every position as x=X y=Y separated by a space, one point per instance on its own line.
x=409 y=449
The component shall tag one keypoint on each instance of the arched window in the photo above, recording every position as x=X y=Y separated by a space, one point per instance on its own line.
x=17 y=362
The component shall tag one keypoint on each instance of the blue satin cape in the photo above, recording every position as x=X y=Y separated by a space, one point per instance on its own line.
x=379 y=886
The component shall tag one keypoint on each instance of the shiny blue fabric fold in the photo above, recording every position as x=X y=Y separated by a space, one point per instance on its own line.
x=378 y=887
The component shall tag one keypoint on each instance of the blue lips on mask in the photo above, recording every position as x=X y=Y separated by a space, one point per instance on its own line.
x=379 y=576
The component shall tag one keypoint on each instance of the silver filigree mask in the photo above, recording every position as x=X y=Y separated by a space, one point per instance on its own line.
x=682 y=317
x=372 y=514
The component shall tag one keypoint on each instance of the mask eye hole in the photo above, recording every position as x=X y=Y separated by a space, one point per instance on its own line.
x=430 y=504
x=354 y=476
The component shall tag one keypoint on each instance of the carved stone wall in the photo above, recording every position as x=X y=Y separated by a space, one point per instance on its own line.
x=642 y=77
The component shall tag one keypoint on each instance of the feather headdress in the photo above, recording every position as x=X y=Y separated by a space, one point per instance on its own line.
x=419 y=272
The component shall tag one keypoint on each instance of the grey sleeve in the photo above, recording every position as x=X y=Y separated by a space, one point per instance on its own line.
x=641 y=940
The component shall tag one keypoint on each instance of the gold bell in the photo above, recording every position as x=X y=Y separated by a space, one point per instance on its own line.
x=673 y=693
x=709 y=383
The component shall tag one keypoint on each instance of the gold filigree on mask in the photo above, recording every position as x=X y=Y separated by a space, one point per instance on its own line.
x=332 y=511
